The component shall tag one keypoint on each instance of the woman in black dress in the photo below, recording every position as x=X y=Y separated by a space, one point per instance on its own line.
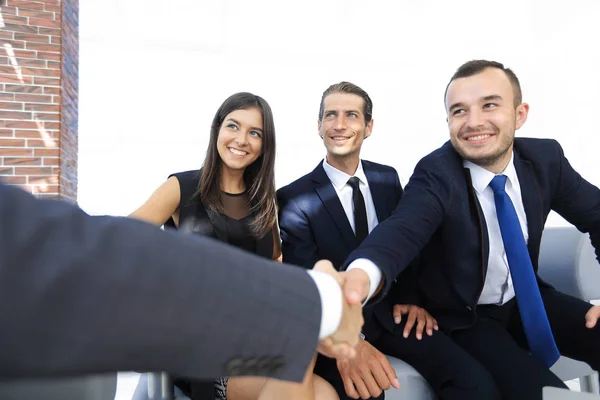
x=232 y=198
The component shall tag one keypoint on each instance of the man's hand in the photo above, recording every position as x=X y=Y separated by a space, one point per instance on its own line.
x=356 y=285
x=416 y=314
x=342 y=343
x=591 y=318
x=368 y=374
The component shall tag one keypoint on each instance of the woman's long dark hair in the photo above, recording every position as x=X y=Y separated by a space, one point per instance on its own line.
x=259 y=176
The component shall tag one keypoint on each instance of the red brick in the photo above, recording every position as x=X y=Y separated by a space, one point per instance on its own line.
x=42 y=47
x=33 y=98
x=23 y=53
x=7 y=96
x=42 y=107
x=46 y=189
x=6 y=132
x=7 y=171
x=33 y=171
x=15 y=152
x=35 y=134
x=55 y=161
x=15 y=79
x=22 y=161
x=51 y=90
x=15 y=115
x=41 y=116
x=13 y=19
x=52 y=7
x=9 y=105
x=50 y=143
x=7 y=35
x=30 y=62
x=51 y=125
x=21 y=124
x=44 y=22
x=9 y=69
x=46 y=152
x=55 y=73
x=43 y=179
x=8 y=10
x=48 y=56
x=27 y=4
x=46 y=81
x=20 y=28
x=30 y=37
x=49 y=31
x=23 y=12
x=24 y=89
x=53 y=64
x=12 y=143
x=14 y=44
x=14 y=180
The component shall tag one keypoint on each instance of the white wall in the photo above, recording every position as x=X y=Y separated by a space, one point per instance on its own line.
x=152 y=74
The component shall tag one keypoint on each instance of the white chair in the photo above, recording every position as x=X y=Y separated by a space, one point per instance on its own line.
x=568 y=262
x=97 y=387
x=552 y=393
x=412 y=385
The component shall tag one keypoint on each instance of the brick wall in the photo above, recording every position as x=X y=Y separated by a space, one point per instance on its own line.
x=38 y=96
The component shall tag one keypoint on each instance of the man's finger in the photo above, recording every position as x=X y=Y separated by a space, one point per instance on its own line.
x=410 y=322
x=360 y=386
x=591 y=318
x=420 y=326
x=430 y=324
x=390 y=372
x=397 y=312
x=356 y=285
x=343 y=368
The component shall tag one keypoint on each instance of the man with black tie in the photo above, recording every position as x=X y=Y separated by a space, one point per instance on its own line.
x=81 y=294
x=325 y=215
x=475 y=210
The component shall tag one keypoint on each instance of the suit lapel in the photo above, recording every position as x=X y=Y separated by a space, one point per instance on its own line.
x=532 y=201
x=378 y=192
x=332 y=204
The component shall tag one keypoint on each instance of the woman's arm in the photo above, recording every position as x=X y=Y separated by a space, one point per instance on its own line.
x=277 y=255
x=162 y=204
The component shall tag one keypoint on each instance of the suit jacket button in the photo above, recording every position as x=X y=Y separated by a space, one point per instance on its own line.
x=469 y=308
x=235 y=367
x=252 y=366
x=276 y=365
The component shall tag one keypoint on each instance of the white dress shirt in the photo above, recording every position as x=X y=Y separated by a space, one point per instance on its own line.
x=339 y=180
x=498 y=287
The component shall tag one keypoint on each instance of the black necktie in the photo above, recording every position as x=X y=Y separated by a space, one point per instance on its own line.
x=361 y=227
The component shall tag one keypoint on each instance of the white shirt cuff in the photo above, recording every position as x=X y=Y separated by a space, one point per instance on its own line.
x=331 y=302
x=372 y=270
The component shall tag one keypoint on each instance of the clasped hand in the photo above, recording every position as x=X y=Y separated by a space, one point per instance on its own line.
x=342 y=343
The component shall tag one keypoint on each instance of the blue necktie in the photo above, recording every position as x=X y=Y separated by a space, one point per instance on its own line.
x=533 y=315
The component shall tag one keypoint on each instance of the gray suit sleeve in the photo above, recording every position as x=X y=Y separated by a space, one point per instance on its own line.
x=81 y=294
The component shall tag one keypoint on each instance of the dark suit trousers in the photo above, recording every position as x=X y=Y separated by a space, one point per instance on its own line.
x=497 y=340
x=451 y=372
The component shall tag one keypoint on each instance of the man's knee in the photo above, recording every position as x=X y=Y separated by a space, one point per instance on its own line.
x=472 y=385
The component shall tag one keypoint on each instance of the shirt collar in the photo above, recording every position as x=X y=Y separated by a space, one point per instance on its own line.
x=340 y=178
x=481 y=177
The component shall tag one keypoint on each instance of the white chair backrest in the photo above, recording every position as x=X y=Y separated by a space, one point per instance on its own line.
x=568 y=262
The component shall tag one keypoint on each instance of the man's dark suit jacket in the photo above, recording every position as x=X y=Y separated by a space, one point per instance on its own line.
x=81 y=294
x=441 y=219
x=314 y=226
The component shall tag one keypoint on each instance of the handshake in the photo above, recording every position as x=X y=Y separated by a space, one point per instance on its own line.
x=355 y=287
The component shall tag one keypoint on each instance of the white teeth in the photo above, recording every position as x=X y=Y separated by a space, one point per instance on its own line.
x=339 y=138
x=237 y=152
x=480 y=137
